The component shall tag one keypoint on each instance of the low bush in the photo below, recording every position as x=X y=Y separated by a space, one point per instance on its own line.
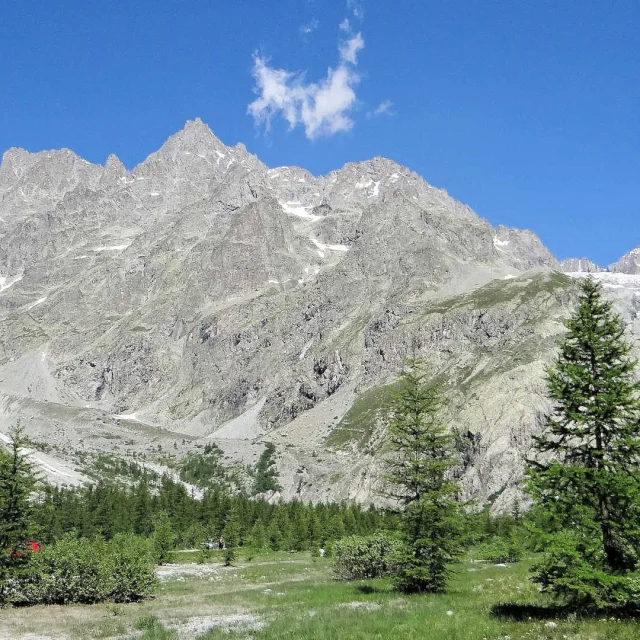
x=500 y=550
x=88 y=571
x=357 y=558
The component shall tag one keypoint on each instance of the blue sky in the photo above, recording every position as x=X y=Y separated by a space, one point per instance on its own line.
x=528 y=111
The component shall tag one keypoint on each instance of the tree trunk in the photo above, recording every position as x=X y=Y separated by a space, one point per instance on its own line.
x=613 y=554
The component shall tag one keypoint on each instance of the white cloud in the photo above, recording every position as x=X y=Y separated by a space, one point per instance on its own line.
x=344 y=25
x=308 y=28
x=322 y=108
x=385 y=108
x=357 y=8
x=349 y=49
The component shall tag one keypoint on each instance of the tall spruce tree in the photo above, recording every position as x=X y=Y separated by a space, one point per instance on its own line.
x=17 y=524
x=418 y=477
x=585 y=476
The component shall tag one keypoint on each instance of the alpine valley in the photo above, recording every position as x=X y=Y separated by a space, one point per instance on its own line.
x=205 y=298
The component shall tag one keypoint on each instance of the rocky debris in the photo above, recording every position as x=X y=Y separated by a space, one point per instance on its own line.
x=363 y=606
x=230 y=623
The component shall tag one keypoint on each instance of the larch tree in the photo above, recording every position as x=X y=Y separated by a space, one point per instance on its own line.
x=17 y=524
x=418 y=478
x=585 y=474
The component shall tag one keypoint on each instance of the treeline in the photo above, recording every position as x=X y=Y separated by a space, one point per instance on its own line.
x=108 y=509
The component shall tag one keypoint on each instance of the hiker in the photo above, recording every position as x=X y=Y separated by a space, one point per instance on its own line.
x=221 y=543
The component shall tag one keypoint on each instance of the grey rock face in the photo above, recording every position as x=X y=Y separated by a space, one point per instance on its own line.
x=580 y=265
x=204 y=295
x=629 y=263
x=523 y=248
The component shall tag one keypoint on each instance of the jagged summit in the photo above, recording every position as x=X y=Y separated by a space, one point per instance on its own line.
x=580 y=265
x=114 y=170
x=629 y=263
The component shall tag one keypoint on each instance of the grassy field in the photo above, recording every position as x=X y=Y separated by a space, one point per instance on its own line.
x=292 y=596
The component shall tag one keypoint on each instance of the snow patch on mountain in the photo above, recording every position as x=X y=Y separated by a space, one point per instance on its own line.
x=6 y=282
x=117 y=247
x=330 y=247
x=297 y=209
x=611 y=280
x=36 y=303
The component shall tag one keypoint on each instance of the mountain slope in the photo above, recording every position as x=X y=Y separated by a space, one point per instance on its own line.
x=205 y=296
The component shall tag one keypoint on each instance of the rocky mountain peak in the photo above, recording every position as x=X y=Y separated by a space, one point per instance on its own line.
x=580 y=265
x=523 y=248
x=195 y=135
x=194 y=154
x=113 y=170
x=15 y=156
x=114 y=163
x=629 y=263
x=36 y=181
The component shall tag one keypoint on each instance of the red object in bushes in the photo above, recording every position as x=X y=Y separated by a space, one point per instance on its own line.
x=29 y=546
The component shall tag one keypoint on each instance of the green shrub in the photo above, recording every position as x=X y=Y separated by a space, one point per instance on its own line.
x=357 y=558
x=132 y=568
x=89 y=571
x=574 y=571
x=500 y=550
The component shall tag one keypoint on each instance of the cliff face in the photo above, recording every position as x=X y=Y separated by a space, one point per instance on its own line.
x=205 y=296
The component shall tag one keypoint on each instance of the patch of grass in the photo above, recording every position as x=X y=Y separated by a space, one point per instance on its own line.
x=296 y=597
x=39 y=445
x=358 y=425
x=318 y=609
x=500 y=292
x=153 y=629
x=101 y=466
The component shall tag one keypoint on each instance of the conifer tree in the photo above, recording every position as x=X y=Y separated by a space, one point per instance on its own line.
x=258 y=537
x=417 y=475
x=585 y=476
x=266 y=478
x=143 y=509
x=314 y=530
x=164 y=538
x=231 y=536
x=17 y=525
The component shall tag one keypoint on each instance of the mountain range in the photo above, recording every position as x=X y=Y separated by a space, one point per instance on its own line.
x=204 y=297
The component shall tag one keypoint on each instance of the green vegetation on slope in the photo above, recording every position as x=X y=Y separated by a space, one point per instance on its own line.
x=358 y=425
x=499 y=292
